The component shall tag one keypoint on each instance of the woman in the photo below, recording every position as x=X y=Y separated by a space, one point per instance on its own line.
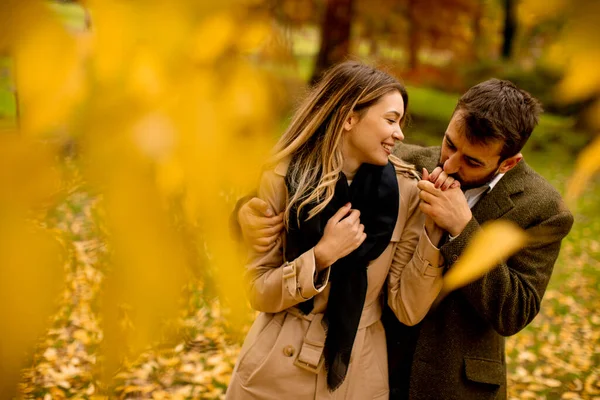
x=352 y=217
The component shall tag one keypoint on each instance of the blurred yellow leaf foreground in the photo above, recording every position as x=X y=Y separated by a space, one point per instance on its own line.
x=135 y=136
x=495 y=242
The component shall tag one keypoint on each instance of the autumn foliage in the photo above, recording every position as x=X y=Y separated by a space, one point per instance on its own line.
x=136 y=134
x=165 y=120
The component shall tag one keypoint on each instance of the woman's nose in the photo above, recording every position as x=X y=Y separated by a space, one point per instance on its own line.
x=398 y=135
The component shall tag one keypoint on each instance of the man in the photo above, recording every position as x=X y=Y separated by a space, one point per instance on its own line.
x=457 y=351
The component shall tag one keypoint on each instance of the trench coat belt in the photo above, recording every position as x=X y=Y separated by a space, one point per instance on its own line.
x=310 y=356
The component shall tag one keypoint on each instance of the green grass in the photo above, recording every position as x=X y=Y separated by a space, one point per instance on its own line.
x=71 y=14
x=430 y=103
x=73 y=17
x=305 y=41
x=8 y=108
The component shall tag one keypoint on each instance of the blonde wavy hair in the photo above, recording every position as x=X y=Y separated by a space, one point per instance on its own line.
x=313 y=138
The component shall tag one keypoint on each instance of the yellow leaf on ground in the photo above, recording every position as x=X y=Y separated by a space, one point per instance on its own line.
x=82 y=336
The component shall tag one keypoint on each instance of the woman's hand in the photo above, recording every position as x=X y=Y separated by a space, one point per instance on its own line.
x=341 y=237
x=440 y=179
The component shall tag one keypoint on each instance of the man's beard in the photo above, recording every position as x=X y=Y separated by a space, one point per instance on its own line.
x=464 y=186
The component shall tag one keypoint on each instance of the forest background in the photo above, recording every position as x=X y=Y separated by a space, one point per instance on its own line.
x=129 y=129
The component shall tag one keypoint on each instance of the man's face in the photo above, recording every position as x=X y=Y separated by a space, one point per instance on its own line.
x=472 y=164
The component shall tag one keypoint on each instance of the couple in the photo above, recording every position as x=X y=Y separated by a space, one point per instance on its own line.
x=366 y=243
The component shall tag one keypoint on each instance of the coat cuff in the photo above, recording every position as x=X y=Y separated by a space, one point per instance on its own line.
x=452 y=250
x=432 y=260
x=303 y=275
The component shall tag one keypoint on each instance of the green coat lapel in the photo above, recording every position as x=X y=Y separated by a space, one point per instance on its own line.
x=498 y=202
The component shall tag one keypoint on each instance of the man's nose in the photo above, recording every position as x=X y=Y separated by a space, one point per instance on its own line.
x=452 y=164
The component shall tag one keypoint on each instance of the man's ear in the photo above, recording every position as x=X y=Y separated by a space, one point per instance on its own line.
x=351 y=121
x=510 y=163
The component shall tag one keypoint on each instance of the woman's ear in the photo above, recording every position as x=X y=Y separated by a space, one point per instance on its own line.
x=351 y=121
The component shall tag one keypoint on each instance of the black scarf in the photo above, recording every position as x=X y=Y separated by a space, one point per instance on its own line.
x=374 y=191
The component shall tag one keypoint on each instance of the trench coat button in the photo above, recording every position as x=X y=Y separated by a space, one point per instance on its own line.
x=288 y=351
x=454 y=257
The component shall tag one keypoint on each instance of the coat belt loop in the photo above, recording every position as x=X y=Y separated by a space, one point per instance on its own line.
x=310 y=356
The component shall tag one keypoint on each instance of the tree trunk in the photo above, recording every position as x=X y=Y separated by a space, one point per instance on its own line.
x=477 y=32
x=413 y=37
x=335 y=36
x=510 y=28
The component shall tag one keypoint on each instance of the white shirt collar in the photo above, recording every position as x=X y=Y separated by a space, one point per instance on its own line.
x=473 y=195
x=494 y=181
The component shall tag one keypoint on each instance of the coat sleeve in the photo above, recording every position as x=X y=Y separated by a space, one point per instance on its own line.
x=509 y=296
x=415 y=277
x=272 y=284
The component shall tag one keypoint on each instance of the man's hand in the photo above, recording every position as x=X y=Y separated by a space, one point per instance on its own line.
x=341 y=237
x=259 y=225
x=448 y=209
x=434 y=232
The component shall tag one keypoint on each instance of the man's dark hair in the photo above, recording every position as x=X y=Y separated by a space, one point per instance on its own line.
x=498 y=110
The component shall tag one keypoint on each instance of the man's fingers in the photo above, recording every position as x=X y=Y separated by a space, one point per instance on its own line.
x=273 y=239
x=271 y=230
x=341 y=213
x=425 y=174
x=425 y=208
x=260 y=207
x=262 y=249
x=455 y=184
x=263 y=226
x=265 y=241
x=271 y=221
x=426 y=196
x=427 y=186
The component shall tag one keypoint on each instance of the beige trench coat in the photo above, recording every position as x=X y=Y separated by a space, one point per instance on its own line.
x=282 y=355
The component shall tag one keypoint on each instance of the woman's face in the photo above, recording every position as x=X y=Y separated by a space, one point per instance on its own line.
x=370 y=139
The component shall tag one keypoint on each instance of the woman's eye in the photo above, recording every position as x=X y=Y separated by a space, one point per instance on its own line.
x=391 y=121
